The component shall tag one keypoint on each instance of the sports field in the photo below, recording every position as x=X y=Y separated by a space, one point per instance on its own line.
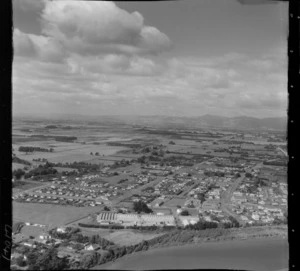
x=48 y=214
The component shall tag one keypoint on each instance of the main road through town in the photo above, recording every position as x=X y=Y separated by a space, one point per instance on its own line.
x=226 y=195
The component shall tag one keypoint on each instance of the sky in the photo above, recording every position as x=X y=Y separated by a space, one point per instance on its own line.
x=173 y=58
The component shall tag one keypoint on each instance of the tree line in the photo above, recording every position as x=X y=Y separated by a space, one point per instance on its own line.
x=33 y=149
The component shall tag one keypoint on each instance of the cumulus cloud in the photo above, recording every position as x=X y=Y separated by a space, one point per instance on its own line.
x=42 y=47
x=90 y=28
x=114 y=64
x=96 y=37
x=105 y=58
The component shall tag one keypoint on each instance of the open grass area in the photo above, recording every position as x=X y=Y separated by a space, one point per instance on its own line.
x=120 y=237
x=32 y=231
x=68 y=152
x=16 y=166
x=48 y=214
x=125 y=238
x=27 y=185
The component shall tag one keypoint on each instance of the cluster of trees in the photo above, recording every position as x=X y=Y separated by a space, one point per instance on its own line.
x=203 y=225
x=119 y=144
x=157 y=158
x=123 y=181
x=135 y=227
x=279 y=221
x=82 y=167
x=185 y=213
x=20 y=161
x=17 y=227
x=270 y=147
x=72 y=173
x=20 y=261
x=275 y=163
x=75 y=235
x=177 y=160
x=46 y=261
x=248 y=175
x=212 y=173
x=122 y=163
x=259 y=182
x=141 y=207
x=112 y=226
x=40 y=160
x=234 y=222
x=41 y=170
x=33 y=149
x=174 y=160
x=111 y=254
x=65 y=138
x=18 y=173
x=66 y=235
x=96 y=153
x=201 y=197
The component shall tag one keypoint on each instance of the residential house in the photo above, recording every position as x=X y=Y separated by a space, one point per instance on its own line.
x=92 y=247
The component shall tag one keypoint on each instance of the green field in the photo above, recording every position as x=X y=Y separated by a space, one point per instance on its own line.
x=67 y=152
x=120 y=237
x=48 y=214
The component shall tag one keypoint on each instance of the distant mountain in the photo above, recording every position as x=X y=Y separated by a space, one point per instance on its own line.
x=244 y=122
x=179 y=122
x=241 y=122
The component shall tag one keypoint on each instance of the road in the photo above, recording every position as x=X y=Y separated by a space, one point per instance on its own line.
x=226 y=195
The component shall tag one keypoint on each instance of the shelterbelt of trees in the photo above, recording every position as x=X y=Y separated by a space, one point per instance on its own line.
x=20 y=161
x=33 y=149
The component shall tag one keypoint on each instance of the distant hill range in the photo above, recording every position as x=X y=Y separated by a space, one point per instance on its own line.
x=242 y=122
x=177 y=122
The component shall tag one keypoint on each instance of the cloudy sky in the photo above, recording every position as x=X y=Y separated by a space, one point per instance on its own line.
x=181 y=58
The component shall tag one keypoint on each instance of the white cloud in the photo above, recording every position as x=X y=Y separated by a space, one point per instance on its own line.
x=96 y=37
x=91 y=28
x=41 y=47
x=29 y=5
x=105 y=58
x=114 y=64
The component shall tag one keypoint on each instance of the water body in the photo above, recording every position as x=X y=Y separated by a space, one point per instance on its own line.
x=257 y=254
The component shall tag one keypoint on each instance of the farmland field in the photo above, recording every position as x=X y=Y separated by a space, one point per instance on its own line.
x=68 y=152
